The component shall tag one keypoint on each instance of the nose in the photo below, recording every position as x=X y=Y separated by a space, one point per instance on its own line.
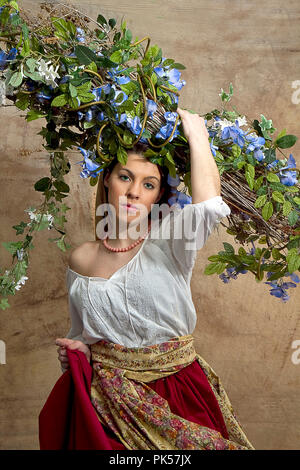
x=133 y=191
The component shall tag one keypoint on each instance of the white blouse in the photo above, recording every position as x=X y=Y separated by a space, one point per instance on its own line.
x=148 y=300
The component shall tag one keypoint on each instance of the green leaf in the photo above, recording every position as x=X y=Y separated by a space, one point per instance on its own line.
x=84 y=88
x=117 y=57
x=42 y=184
x=178 y=66
x=281 y=134
x=112 y=22
x=86 y=97
x=16 y=79
x=216 y=267
x=297 y=200
x=267 y=210
x=31 y=63
x=249 y=179
x=92 y=66
x=59 y=100
x=273 y=178
x=61 y=186
x=22 y=102
x=236 y=150
x=228 y=248
x=258 y=182
x=33 y=114
x=139 y=108
x=251 y=170
x=88 y=124
x=122 y=155
x=292 y=189
x=260 y=201
x=73 y=90
x=101 y=20
x=128 y=137
x=293 y=217
x=293 y=260
x=286 y=141
x=85 y=55
x=276 y=254
x=128 y=35
x=277 y=196
x=286 y=208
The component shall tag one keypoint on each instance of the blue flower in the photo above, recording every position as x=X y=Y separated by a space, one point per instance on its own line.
x=5 y=58
x=42 y=97
x=255 y=146
x=81 y=35
x=289 y=178
x=90 y=168
x=97 y=91
x=179 y=198
x=31 y=85
x=172 y=76
x=213 y=148
x=173 y=181
x=235 y=133
x=151 y=107
x=165 y=131
x=279 y=287
x=65 y=79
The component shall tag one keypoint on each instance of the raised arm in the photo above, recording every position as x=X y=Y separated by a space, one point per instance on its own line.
x=205 y=177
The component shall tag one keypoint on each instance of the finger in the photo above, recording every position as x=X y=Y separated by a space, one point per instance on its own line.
x=64 y=342
x=62 y=354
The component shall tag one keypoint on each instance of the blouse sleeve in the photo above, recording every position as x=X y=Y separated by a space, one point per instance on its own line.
x=75 y=331
x=187 y=230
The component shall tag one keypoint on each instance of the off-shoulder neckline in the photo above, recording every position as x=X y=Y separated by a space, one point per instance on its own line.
x=117 y=271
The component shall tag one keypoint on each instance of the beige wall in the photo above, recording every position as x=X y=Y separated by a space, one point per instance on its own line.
x=242 y=332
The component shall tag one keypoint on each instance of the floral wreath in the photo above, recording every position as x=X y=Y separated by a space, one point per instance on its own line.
x=58 y=68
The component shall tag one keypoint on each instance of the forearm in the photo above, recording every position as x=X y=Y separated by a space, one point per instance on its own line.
x=205 y=176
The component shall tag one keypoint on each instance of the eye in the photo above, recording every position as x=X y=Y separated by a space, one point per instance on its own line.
x=126 y=176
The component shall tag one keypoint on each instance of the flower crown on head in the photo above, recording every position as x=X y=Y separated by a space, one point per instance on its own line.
x=102 y=92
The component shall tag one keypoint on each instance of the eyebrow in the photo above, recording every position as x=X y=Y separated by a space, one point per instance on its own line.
x=130 y=172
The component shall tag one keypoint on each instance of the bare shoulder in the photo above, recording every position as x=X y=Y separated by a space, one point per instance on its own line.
x=80 y=255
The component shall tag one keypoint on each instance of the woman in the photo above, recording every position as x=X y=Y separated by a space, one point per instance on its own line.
x=133 y=316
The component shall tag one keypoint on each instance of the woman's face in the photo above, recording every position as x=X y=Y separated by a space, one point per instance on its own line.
x=136 y=183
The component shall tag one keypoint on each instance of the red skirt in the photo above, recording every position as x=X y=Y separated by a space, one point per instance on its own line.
x=69 y=421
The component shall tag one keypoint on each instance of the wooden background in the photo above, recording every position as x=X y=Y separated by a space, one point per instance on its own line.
x=244 y=333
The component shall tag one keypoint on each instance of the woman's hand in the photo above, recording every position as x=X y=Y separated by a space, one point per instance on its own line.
x=193 y=125
x=66 y=343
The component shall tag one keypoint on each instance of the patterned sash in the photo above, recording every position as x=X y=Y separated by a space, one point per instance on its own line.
x=142 y=419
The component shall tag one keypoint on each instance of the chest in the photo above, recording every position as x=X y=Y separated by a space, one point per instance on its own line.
x=104 y=263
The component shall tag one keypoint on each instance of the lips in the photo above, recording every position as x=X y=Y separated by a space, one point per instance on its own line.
x=130 y=206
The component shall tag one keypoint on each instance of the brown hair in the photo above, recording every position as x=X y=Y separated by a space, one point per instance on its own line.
x=102 y=191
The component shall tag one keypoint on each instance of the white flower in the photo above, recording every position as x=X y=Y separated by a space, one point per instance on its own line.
x=48 y=73
x=32 y=215
x=21 y=281
x=225 y=123
x=242 y=121
x=20 y=254
x=50 y=219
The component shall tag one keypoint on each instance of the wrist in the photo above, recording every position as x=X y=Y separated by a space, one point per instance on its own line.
x=199 y=142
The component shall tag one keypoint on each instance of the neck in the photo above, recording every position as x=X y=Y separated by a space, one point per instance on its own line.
x=122 y=234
